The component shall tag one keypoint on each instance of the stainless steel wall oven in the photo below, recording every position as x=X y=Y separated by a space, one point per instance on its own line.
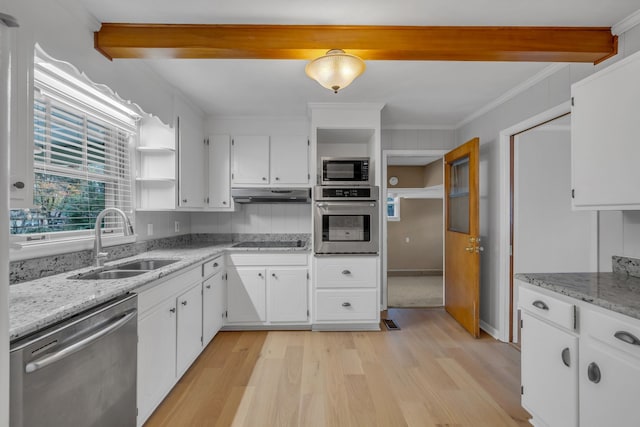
x=346 y=220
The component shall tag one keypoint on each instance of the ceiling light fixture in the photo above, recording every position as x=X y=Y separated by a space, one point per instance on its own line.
x=335 y=70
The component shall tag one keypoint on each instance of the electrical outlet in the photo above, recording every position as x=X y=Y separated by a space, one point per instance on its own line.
x=177 y=226
x=149 y=229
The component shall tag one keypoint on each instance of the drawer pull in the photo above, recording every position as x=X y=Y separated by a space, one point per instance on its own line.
x=184 y=303
x=346 y=272
x=215 y=264
x=593 y=372
x=208 y=286
x=172 y=310
x=566 y=357
x=627 y=337
x=346 y=304
x=540 y=304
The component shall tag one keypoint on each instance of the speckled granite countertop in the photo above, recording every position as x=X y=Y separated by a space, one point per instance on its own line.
x=617 y=291
x=36 y=304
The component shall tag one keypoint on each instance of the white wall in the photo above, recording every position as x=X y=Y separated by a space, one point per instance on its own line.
x=549 y=235
x=259 y=218
x=418 y=139
x=546 y=94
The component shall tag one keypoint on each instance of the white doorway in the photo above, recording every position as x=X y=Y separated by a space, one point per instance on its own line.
x=412 y=209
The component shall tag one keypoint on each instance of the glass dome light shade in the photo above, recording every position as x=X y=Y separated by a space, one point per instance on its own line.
x=335 y=70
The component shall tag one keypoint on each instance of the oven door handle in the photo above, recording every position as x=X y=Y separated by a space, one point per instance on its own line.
x=111 y=326
x=346 y=205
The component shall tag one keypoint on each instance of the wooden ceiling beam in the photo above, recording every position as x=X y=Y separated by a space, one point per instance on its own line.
x=532 y=44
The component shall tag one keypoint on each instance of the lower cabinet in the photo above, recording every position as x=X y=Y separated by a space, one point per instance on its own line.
x=189 y=330
x=265 y=289
x=213 y=306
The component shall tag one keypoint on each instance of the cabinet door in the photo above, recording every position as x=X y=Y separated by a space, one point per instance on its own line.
x=189 y=337
x=550 y=387
x=287 y=290
x=604 y=135
x=156 y=356
x=219 y=171
x=250 y=160
x=191 y=164
x=289 y=160
x=612 y=400
x=246 y=292
x=213 y=303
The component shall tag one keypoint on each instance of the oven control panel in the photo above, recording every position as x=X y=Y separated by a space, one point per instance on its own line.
x=346 y=193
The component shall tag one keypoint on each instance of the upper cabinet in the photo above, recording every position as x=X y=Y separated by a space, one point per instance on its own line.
x=192 y=156
x=219 y=173
x=604 y=138
x=274 y=161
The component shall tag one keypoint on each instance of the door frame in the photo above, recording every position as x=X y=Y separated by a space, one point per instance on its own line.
x=504 y=232
x=383 y=207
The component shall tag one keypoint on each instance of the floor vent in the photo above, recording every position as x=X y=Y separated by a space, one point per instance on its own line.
x=391 y=325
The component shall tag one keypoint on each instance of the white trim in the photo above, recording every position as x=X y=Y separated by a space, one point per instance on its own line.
x=502 y=332
x=490 y=330
x=383 y=196
x=513 y=92
x=626 y=24
x=57 y=246
x=418 y=127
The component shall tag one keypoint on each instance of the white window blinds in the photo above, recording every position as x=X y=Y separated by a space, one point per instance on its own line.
x=81 y=163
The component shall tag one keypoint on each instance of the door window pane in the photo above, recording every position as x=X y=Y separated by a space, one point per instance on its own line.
x=458 y=211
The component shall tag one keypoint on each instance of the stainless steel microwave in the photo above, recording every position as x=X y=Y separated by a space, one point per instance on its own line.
x=345 y=171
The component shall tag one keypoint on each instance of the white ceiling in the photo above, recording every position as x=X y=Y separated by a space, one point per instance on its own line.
x=417 y=94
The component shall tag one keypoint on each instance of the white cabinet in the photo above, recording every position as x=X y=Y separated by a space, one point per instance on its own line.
x=287 y=289
x=192 y=158
x=604 y=135
x=189 y=330
x=156 y=356
x=346 y=292
x=250 y=160
x=169 y=336
x=219 y=172
x=156 y=166
x=549 y=357
x=268 y=288
x=246 y=294
x=289 y=160
x=276 y=161
x=609 y=369
x=213 y=306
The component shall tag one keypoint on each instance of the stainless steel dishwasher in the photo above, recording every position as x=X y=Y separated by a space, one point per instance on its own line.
x=81 y=372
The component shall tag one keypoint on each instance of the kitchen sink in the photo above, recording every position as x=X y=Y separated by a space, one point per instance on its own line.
x=108 y=274
x=145 y=264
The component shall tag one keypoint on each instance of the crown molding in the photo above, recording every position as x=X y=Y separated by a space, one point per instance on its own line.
x=626 y=24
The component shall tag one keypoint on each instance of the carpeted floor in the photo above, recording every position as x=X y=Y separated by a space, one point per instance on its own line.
x=414 y=291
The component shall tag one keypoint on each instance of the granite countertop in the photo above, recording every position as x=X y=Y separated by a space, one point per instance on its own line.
x=618 y=291
x=36 y=304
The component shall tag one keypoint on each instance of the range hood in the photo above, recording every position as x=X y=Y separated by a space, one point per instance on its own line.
x=271 y=195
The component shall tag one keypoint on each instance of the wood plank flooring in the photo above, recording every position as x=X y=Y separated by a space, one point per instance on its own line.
x=430 y=373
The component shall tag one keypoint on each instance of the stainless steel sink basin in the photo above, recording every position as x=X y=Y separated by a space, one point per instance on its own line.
x=145 y=264
x=108 y=274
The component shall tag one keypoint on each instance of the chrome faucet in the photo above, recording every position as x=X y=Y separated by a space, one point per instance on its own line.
x=97 y=244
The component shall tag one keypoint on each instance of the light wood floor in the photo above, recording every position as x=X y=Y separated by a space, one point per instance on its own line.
x=431 y=373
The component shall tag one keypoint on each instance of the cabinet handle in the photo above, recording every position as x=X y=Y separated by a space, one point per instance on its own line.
x=627 y=337
x=184 y=200
x=264 y=178
x=346 y=304
x=540 y=304
x=19 y=185
x=566 y=357
x=346 y=272
x=273 y=274
x=172 y=310
x=277 y=179
x=259 y=274
x=208 y=286
x=215 y=264
x=224 y=202
x=184 y=303
x=593 y=372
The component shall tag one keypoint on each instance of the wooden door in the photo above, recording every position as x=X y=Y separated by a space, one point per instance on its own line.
x=462 y=242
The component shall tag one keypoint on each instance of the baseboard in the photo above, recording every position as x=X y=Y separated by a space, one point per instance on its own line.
x=410 y=272
x=266 y=328
x=490 y=330
x=345 y=327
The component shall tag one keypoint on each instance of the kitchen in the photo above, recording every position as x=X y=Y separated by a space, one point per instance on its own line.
x=149 y=89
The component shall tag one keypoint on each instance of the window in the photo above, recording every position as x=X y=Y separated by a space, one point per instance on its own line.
x=393 y=208
x=81 y=160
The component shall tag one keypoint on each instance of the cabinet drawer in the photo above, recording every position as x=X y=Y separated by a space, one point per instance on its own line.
x=212 y=267
x=546 y=307
x=346 y=272
x=340 y=304
x=268 y=259
x=618 y=331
